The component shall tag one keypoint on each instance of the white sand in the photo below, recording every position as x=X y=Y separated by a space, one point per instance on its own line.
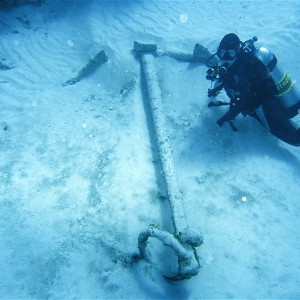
x=80 y=174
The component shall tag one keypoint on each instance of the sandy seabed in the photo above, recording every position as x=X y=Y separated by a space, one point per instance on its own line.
x=80 y=175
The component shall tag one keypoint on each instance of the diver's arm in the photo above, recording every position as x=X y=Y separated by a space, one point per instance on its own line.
x=236 y=106
x=238 y=97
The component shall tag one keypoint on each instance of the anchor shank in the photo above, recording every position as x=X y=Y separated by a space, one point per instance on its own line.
x=164 y=146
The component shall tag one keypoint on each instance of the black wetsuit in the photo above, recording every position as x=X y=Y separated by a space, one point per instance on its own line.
x=252 y=92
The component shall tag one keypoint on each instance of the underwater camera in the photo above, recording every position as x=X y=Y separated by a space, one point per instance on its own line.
x=213 y=73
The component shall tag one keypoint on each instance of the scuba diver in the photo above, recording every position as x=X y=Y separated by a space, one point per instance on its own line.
x=256 y=86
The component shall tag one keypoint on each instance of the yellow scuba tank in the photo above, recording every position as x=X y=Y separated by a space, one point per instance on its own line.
x=287 y=94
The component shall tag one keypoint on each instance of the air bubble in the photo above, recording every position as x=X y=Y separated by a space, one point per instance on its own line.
x=183 y=18
x=70 y=43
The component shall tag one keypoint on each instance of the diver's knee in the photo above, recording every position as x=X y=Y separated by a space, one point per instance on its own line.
x=293 y=111
x=294 y=140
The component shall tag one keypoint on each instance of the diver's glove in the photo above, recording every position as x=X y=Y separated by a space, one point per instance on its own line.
x=217 y=103
x=221 y=122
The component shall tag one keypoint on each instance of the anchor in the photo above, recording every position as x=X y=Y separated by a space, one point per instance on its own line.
x=184 y=240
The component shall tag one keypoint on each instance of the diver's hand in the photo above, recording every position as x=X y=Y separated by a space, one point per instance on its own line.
x=220 y=122
x=217 y=103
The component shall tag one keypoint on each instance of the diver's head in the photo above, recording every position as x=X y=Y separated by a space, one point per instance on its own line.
x=228 y=49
